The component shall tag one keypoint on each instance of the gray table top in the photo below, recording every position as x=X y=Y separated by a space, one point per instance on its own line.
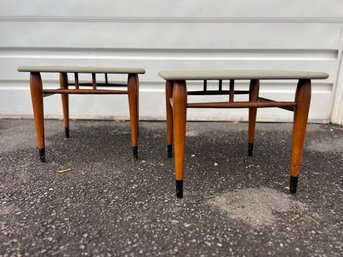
x=81 y=69
x=240 y=75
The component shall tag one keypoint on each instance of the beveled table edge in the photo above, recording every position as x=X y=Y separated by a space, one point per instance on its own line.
x=81 y=69
x=240 y=74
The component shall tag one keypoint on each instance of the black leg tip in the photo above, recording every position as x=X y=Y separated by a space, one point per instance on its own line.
x=135 y=152
x=170 y=151
x=42 y=154
x=293 y=185
x=179 y=188
x=66 y=132
x=250 y=148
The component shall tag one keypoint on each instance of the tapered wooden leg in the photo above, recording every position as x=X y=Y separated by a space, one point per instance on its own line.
x=38 y=111
x=302 y=99
x=133 y=92
x=65 y=102
x=179 y=118
x=254 y=90
x=169 y=94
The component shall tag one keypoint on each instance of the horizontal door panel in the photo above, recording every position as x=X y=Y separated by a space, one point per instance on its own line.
x=16 y=102
x=170 y=35
x=152 y=67
x=173 y=9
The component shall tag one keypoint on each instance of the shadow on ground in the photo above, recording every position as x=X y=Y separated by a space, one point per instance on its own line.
x=111 y=205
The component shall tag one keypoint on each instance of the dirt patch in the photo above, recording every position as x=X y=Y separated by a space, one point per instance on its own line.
x=328 y=144
x=7 y=209
x=256 y=206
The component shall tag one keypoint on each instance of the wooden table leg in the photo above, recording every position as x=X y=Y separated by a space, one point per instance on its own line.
x=133 y=93
x=254 y=90
x=36 y=87
x=169 y=94
x=302 y=99
x=179 y=117
x=65 y=103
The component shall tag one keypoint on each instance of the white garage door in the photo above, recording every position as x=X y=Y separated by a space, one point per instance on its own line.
x=164 y=35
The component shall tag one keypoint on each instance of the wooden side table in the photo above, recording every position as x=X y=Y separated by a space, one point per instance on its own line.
x=176 y=100
x=38 y=92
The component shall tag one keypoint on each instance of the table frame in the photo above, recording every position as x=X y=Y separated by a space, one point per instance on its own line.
x=176 y=107
x=38 y=93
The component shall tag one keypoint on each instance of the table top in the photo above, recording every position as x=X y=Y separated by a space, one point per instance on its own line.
x=81 y=69
x=240 y=75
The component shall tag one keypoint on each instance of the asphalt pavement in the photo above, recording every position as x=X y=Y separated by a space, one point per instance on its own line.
x=92 y=199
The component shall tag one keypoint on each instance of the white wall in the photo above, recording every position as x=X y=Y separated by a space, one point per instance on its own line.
x=337 y=110
x=161 y=35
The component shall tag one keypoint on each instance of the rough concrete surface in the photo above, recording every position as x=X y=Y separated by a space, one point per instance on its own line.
x=110 y=205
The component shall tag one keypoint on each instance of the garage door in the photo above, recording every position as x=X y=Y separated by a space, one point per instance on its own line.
x=164 y=35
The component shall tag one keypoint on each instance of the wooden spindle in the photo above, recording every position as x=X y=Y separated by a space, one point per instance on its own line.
x=94 y=81
x=232 y=90
x=77 y=84
x=205 y=85
x=220 y=85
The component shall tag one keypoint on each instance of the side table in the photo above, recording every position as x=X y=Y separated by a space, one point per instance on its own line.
x=177 y=104
x=76 y=87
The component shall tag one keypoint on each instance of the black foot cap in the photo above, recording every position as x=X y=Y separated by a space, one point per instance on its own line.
x=179 y=188
x=135 y=152
x=66 y=132
x=42 y=154
x=170 y=151
x=250 y=148
x=293 y=185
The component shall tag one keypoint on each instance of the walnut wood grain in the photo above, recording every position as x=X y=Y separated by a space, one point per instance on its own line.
x=65 y=100
x=179 y=117
x=302 y=98
x=84 y=91
x=254 y=90
x=169 y=112
x=133 y=94
x=37 y=104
